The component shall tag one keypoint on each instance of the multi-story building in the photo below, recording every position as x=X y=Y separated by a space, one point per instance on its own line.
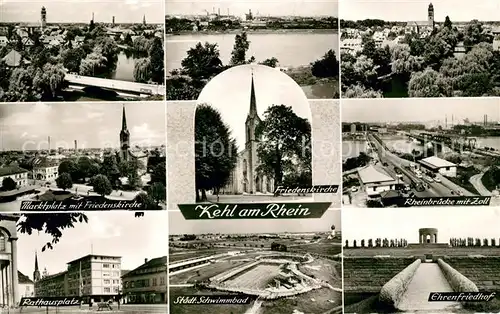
x=51 y=285
x=18 y=174
x=94 y=277
x=45 y=169
x=26 y=286
x=147 y=283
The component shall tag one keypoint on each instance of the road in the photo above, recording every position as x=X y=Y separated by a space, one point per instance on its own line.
x=442 y=188
x=124 y=308
x=475 y=180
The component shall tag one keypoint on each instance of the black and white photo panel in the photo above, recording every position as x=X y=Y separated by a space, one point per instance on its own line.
x=256 y=139
x=299 y=38
x=420 y=152
x=406 y=48
x=421 y=260
x=83 y=156
x=82 y=50
x=287 y=266
x=84 y=262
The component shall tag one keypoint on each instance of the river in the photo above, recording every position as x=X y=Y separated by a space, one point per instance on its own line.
x=291 y=49
x=124 y=67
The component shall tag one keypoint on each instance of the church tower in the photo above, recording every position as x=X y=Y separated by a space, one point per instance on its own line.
x=251 y=141
x=124 y=137
x=36 y=273
x=430 y=15
x=43 y=14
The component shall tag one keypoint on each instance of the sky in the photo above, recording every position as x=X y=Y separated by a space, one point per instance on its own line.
x=179 y=225
x=93 y=125
x=230 y=95
x=416 y=10
x=258 y=7
x=80 y=11
x=420 y=109
x=106 y=233
x=365 y=223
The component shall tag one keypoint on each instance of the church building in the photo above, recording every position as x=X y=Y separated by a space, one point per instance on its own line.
x=125 y=153
x=423 y=26
x=245 y=178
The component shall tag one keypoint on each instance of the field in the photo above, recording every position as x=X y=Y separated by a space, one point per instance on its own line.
x=322 y=248
x=452 y=251
x=255 y=278
x=179 y=255
x=205 y=272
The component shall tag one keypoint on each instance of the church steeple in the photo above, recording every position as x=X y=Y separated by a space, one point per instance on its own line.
x=124 y=136
x=253 y=102
x=36 y=273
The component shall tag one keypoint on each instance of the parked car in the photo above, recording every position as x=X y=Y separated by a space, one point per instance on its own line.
x=437 y=179
x=419 y=175
x=354 y=189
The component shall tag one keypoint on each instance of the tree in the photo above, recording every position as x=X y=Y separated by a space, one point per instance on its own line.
x=69 y=166
x=285 y=143
x=128 y=40
x=146 y=200
x=71 y=58
x=50 y=80
x=215 y=151
x=272 y=62
x=328 y=66
x=157 y=60
x=158 y=192
x=93 y=64
x=358 y=91
x=202 y=61
x=109 y=168
x=87 y=167
x=142 y=70
x=159 y=173
x=64 y=181
x=428 y=83
x=241 y=45
x=101 y=185
x=447 y=22
x=8 y=184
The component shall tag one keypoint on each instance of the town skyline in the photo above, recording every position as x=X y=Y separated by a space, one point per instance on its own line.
x=405 y=11
x=106 y=233
x=228 y=93
x=179 y=225
x=420 y=109
x=27 y=126
x=309 y=8
x=451 y=222
x=73 y=11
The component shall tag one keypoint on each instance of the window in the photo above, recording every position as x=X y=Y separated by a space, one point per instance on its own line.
x=154 y=282
x=107 y=289
x=105 y=274
x=107 y=281
x=125 y=284
x=162 y=281
x=105 y=265
x=3 y=242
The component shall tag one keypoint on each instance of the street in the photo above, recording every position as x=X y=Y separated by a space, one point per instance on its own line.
x=259 y=198
x=124 y=308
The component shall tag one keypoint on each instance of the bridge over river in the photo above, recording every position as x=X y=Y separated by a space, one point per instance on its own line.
x=140 y=89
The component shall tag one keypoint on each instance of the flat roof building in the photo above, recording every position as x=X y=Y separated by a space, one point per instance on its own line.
x=439 y=165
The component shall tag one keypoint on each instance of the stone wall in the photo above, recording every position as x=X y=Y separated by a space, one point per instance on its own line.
x=484 y=271
x=369 y=274
x=394 y=289
x=457 y=281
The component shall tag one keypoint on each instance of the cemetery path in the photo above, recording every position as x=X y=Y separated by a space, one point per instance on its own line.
x=428 y=278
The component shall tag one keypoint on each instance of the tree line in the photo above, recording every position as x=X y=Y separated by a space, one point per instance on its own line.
x=203 y=62
x=473 y=242
x=378 y=242
x=425 y=66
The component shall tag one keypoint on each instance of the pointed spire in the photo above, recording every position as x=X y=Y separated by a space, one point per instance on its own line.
x=36 y=262
x=253 y=101
x=124 y=119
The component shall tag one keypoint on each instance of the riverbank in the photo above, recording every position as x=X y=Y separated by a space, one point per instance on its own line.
x=257 y=31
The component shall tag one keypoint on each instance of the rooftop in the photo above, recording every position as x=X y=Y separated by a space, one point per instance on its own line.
x=153 y=263
x=372 y=175
x=23 y=279
x=436 y=163
x=13 y=58
x=92 y=255
x=10 y=170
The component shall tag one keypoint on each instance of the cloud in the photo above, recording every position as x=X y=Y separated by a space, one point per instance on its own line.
x=101 y=228
x=144 y=133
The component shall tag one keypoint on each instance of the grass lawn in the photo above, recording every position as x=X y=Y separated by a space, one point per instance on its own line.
x=452 y=251
x=315 y=302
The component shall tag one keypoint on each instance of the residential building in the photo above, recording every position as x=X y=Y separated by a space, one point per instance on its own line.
x=4 y=41
x=147 y=283
x=374 y=181
x=26 y=286
x=94 y=277
x=16 y=173
x=13 y=59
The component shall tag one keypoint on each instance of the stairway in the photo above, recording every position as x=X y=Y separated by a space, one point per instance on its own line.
x=428 y=278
